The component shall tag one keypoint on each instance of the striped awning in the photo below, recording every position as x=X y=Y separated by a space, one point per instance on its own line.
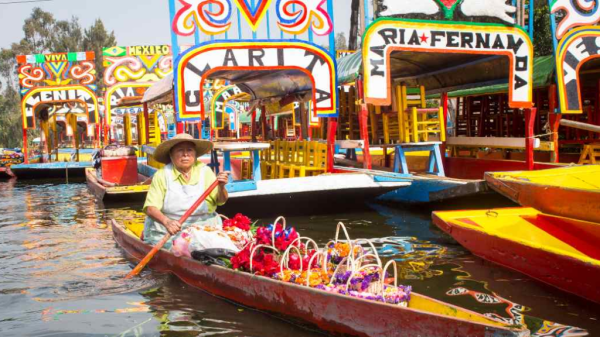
x=349 y=68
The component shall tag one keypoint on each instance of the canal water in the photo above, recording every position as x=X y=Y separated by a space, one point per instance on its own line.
x=61 y=274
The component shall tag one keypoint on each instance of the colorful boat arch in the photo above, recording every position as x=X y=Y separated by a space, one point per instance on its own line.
x=51 y=95
x=121 y=90
x=195 y=66
x=222 y=99
x=576 y=48
x=387 y=35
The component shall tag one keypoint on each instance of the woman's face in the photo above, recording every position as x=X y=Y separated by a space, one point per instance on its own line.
x=183 y=156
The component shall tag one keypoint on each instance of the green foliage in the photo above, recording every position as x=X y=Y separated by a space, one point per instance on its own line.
x=95 y=39
x=39 y=29
x=340 y=41
x=11 y=124
x=43 y=34
x=68 y=36
x=542 y=34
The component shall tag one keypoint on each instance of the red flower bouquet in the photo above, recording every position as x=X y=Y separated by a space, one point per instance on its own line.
x=263 y=263
x=239 y=221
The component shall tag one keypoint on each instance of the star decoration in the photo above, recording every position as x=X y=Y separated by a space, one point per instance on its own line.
x=424 y=38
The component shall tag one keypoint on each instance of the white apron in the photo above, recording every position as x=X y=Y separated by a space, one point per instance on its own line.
x=178 y=199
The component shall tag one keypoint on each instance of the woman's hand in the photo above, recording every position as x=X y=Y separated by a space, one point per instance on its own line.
x=172 y=226
x=223 y=178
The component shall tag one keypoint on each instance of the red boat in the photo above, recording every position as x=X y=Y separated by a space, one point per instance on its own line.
x=335 y=313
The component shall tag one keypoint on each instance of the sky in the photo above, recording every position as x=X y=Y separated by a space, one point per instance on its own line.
x=135 y=22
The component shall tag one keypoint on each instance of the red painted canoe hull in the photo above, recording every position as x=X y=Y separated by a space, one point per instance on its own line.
x=563 y=272
x=335 y=313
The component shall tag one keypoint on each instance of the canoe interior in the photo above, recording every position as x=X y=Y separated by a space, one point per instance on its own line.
x=116 y=194
x=575 y=177
x=420 y=305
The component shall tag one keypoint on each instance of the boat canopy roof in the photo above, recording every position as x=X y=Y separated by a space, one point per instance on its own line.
x=543 y=76
x=262 y=84
x=349 y=67
x=160 y=90
x=438 y=72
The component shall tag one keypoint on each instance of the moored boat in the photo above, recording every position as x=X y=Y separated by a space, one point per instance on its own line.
x=572 y=192
x=424 y=316
x=559 y=251
x=108 y=192
x=58 y=170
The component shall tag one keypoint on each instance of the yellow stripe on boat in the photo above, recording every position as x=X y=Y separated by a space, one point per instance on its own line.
x=421 y=303
x=127 y=189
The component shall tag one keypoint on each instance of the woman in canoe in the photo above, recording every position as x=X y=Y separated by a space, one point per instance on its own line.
x=178 y=185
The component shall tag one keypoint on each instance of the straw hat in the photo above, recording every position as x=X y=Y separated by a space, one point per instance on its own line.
x=162 y=152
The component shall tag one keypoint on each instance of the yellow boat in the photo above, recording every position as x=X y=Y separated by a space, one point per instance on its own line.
x=572 y=192
x=559 y=251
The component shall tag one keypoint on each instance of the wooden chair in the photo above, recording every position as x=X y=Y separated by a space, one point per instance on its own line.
x=416 y=121
x=315 y=161
x=269 y=160
x=246 y=169
x=295 y=157
x=590 y=154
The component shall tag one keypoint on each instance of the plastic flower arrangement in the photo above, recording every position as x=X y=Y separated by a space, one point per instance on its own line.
x=263 y=263
x=317 y=277
x=263 y=255
x=344 y=268
x=340 y=250
x=239 y=221
x=283 y=237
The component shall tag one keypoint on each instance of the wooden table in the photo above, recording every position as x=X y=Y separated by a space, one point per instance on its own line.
x=400 y=165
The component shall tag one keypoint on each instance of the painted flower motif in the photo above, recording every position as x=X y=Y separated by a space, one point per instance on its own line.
x=297 y=16
x=211 y=16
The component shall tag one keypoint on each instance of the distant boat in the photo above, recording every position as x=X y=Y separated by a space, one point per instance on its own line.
x=116 y=193
x=572 y=192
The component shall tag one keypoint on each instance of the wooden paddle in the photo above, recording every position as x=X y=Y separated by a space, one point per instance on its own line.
x=164 y=240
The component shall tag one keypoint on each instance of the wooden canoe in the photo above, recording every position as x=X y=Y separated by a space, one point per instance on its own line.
x=561 y=252
x=331 y=312
x=115 y=193
x=572 y=192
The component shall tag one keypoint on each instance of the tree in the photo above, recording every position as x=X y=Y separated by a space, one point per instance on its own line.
x=10 y=118
x=340 y=41
x=95 y=39
x=38 y=29
x=67 y=37
x=353 y=40
x=542 y=34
